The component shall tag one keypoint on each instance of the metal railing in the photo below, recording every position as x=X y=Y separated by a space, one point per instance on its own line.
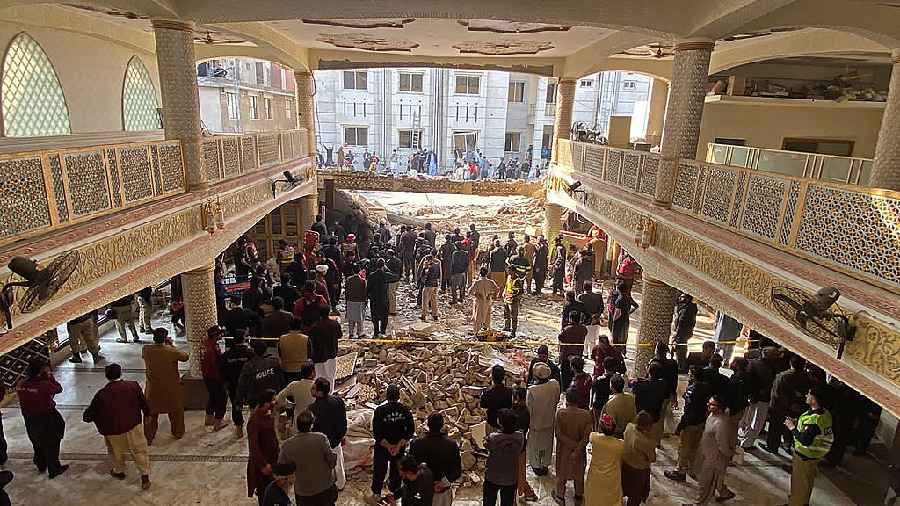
x=49 y=189
x=845 y=227
x=837 y=169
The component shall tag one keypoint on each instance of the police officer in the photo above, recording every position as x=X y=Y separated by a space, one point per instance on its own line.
x=812 y=439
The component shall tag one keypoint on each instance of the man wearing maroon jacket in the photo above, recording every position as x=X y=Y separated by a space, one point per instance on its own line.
x=43 y=423
x=117 y=409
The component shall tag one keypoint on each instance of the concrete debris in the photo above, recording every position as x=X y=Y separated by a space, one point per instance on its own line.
x=448 y=378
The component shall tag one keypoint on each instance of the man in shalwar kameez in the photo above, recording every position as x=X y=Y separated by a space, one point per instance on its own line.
x=482 y=291
x=541 y=400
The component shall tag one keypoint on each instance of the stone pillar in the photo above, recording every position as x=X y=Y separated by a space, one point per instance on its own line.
x=309 y=207
x=306 y=106
x=659 y=93
x=552 y=222
x=657 y=308
x=180 y=97
x=886 y=167
x=684 y=110
x=199 y=310
x=565 y=100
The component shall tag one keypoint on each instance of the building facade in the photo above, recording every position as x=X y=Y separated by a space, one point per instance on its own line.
x=240 y=95
x=504 y=114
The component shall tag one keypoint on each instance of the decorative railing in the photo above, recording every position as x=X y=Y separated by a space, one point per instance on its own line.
x=44 y=190
x=837 y=169
x=227 y=156
x=847 y=228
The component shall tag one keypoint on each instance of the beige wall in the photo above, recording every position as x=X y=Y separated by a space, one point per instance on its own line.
x=90 y=70
x=766 y=126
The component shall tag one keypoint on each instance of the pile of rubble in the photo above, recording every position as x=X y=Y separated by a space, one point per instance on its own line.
x=446 y=378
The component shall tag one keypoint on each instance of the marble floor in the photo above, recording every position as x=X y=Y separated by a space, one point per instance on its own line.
x=209 y=468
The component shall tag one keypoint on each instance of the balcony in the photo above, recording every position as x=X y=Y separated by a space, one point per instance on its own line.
x=837 y=169
x=47 y=190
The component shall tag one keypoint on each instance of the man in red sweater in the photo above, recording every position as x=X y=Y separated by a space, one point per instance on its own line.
x=117 y=409
x=43 y=423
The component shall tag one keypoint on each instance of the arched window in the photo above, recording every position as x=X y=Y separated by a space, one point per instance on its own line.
x=139 y=104
x=33 y=100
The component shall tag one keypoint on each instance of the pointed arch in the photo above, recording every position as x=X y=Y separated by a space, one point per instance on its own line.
x=34 y=104
x=140 y=105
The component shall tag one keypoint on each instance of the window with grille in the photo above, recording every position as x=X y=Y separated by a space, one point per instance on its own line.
x=355 y=79
x=410 y=138
x=233 y=105
x=267 y=102
x=586 y=83
x=254 y=107
x=629 y=85
x=516 y=92
x=139 y=104
x=287 y=109
x=411 y=82
x=356 y=136
x=512 y=141
x=33 y=100
x=551 y=93
x=468 y=85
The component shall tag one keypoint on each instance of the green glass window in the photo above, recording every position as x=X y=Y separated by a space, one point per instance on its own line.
x=33 y=100
x=139 y=104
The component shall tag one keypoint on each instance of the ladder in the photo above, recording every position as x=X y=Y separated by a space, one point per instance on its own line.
x=416 y=134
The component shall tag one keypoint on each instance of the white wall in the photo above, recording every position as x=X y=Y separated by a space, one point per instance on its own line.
x=91 y=72
x=211 y=110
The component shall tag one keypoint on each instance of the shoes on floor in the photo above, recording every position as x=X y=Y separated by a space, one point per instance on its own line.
x=530 y=498
x=62 y=469
x=145 y=482
x=118 y=476
x=98 y=358
x=75 y=359
x=727 y=496
x=764 y=446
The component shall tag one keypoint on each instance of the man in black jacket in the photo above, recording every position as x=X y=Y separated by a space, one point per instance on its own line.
x=406 y=248
x=331 y=420
x=690 y=428
x=392 y=428
x=541 y=264
x=377 y=282
x=441 y=455
x=323 y=338
x=238 y=320
x=762 y=372
x=685 y=320
x=230 y=364
x=445 y=253
x=649 y=396
x=416 y=485
x=262 y=372
x=459 y=265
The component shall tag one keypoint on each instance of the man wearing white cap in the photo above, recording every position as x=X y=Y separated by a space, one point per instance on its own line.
x=541 y=400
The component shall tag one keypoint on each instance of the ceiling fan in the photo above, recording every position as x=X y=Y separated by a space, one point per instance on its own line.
x=209 y=39
x=653 y=50
x=36 y=285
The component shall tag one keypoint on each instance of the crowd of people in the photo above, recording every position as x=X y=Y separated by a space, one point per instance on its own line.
x=279 y=361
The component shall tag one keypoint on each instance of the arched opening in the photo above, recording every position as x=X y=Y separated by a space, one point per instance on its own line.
x=33 y=101
x=140 y=104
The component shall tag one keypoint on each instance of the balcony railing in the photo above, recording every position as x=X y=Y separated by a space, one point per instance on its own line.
x=44 y=190
x=838 y=169
x=850 y=229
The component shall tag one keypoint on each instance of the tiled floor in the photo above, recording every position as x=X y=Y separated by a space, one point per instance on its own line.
x=210 y=468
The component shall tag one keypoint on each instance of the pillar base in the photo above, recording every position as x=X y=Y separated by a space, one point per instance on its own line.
x=195 y=395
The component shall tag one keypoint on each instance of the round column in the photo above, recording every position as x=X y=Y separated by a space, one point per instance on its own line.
x=657 y=307
x=684 y=111
x=180 y=97
x=199 y=310
x=309 y=207
x=552 y=221
x=886 y=166
x=306 y=106
x=565 y=100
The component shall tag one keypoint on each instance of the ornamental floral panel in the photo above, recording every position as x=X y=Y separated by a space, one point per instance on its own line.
x=630 y=173
x=764 y=196
x=613 y=166
x=717 y=198
x=685 y=184
x=136 y=178
x=88 y=187
x=593 y=160
x=789 y=212
x=856 y=230
x=649 y=169
x=24 y=204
